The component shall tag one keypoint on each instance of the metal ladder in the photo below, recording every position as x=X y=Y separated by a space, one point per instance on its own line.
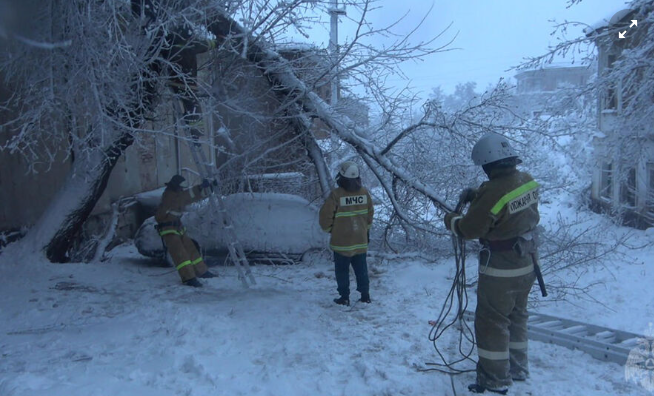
x=217 y=203
x=600 y=342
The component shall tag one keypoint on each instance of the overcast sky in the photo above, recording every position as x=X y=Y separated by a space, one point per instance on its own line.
x=493 y=35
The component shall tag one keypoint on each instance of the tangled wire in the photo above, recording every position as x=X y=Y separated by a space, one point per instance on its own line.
x=457 y=296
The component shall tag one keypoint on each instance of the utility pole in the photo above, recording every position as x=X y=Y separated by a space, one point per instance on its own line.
x=334 y=12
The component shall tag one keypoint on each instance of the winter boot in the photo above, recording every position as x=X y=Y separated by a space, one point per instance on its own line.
x=365 y=298
x=476 y=388
x=193 y=282
x=342 y=301
x=519 y=377
x=208 y=274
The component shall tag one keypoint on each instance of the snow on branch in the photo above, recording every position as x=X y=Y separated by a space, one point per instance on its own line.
x=282 y=76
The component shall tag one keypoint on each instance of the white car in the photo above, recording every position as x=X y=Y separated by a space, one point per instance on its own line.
x=275 y=226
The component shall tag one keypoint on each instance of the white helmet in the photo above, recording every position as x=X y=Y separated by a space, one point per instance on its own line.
x=490 y=148
x=348 y=169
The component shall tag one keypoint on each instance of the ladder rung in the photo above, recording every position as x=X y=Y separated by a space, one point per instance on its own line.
x=605 y=336
x=629 y=342
x=551 y=324
x=235 y=250
x=575 y=329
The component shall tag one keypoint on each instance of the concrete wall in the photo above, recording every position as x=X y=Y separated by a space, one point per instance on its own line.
x=25 y=190
x=24 y=194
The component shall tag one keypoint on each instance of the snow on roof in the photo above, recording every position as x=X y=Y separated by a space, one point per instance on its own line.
x=280 y=175
x=555 y=67
x=609 y=21
x=296 y=46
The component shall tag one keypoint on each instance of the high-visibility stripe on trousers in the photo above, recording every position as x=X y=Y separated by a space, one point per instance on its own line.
x=501 y=329
x=185 y=255
x=506 y=273
x=493 y=355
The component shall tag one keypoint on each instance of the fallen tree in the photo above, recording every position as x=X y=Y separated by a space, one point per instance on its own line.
x=291 y=88
x=379 y=158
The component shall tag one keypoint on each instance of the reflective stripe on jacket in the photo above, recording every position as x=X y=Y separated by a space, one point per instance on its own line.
x=505 y=207
x=347 y=216
x=173 y=202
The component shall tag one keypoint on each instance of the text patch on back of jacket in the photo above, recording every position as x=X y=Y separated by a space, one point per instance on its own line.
x=523 y=201
x=354 y=200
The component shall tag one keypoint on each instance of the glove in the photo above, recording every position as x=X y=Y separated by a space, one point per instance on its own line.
x=448 y=219
x=467 y=195
x=205 y=184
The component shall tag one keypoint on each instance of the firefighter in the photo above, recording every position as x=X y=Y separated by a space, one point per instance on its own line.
x=182 y=249
x=503 y=215
x=347 y=216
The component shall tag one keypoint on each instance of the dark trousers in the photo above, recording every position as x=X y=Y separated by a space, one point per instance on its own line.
x=342 y=269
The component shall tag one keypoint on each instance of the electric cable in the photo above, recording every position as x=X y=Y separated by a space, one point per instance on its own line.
x=458 y=296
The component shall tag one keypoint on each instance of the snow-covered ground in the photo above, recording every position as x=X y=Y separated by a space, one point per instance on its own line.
x=126 y=327
x=622 y=296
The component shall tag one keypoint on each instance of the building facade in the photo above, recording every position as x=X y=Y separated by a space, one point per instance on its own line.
x=536 y=90
x=623 y=178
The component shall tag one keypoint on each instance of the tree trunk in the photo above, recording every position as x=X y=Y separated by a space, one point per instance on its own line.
x=302 y=126
x=56 y=229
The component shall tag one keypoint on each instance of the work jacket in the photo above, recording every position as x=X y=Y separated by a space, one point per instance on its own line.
x=347 y=216
x=505 y=209
x=170 y=210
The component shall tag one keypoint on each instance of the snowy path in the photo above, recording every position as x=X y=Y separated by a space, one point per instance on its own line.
x=123 y=327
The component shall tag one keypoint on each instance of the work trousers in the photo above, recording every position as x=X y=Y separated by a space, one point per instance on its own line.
x=185 y=255
x=342 y=270
x=501 y=328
